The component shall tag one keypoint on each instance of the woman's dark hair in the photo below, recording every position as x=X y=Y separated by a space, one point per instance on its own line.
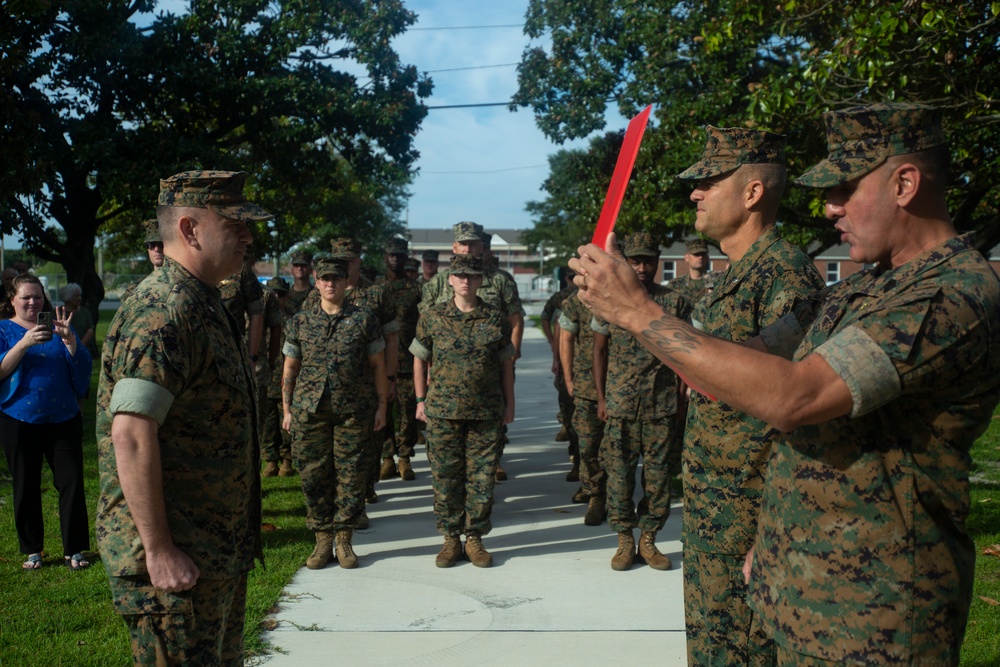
x=7 y=308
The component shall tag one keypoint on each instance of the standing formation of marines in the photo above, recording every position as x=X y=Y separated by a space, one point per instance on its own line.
x=825 y=449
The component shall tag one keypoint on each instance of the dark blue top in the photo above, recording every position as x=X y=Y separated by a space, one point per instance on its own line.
x=44 y=387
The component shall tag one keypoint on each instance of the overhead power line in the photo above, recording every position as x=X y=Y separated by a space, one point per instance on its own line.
x=469 y=106
x=457 y=69
x=472 y=27
x=487 y=171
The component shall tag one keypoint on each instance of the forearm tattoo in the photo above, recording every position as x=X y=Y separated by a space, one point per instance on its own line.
x=674 y=339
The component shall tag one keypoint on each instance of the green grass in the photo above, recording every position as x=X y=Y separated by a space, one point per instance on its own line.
x=57 y=617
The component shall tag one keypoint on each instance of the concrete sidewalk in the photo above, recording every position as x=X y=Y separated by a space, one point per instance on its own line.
x=551 y=597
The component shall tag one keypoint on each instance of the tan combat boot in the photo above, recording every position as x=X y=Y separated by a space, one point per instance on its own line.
x=363 y=521
x=596 y=511
x=450 y=552
x=476 y=552
x=345 y=552
x=271 y=469
x=622 y=560
x=562 y=435
x=388 y=470
x=286 y=469
x=323 y=552
x=650 y=554
x=580 y=496
x=501 y=474
x=405 y=469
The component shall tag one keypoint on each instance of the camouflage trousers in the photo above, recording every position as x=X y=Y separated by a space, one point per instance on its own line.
x=463 y=454
x=721 y=629
x=202 y=626
x=405 y=409
x=590 y=432
x=566 y=409
x=329 y=451
x=274 y=442
x=624 y=442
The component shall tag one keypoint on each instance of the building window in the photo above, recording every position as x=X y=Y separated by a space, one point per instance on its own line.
x=669 y=270
x=832 y=272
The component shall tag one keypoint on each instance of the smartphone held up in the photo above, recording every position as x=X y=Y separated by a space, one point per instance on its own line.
x=45 y=319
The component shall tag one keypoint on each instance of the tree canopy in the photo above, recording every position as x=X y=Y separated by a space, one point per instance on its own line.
x=101 y=99
x=775 y=66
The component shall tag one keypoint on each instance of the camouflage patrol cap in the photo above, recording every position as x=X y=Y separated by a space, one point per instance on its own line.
x=430 y=256
x=729 y=147
x=345 y=248
x=302 y=257
x=396 y=246
x=330 y=266
x=152 y=229
x=411 y=264
x=278 y=285
x=696 y=247
x=466 y=265
x=217 y=191
x=640 y=244
x=860 y=138
x=466 y=232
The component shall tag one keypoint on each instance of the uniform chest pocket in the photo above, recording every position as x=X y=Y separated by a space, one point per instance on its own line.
x=348 y=337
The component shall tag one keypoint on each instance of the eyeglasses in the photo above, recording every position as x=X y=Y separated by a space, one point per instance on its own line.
x=154 y=245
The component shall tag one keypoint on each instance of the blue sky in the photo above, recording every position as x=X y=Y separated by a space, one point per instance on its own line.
x=481 y=164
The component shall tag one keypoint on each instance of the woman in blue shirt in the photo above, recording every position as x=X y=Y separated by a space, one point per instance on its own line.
x=41 y=377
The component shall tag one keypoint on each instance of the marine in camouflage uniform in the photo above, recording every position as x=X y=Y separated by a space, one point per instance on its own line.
x=176 y=385
x=726 y=450
x=276 y=447
x=154 y=250
x=871 y=505
x=302 y=287
x=334 y=390
x=693 y=288
x=640 y=397
x=412 y=270
x=405 y=297
x=498 y=290
x=576 y=359
x=363 y=293
x=550 y=325
x=428 y=267
x=469 y=393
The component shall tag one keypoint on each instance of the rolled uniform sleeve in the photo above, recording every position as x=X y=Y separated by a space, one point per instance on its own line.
x=422 y=345
x=152 y=372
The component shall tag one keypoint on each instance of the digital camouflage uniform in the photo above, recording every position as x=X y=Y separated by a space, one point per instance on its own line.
x=275 y=446
x=551 y=313
x=297 y=299
x=725 y=451
x=464 y=406
x=587 y=426
x=151 y=234
x=641 y=394
x=693 y=290
x=404 y=295
x=243 y=296
x=333 y=408
x=173 y=353
x=374 y=298
x=871 y=507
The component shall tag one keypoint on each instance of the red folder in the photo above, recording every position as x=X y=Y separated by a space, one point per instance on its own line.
x=619 y=180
